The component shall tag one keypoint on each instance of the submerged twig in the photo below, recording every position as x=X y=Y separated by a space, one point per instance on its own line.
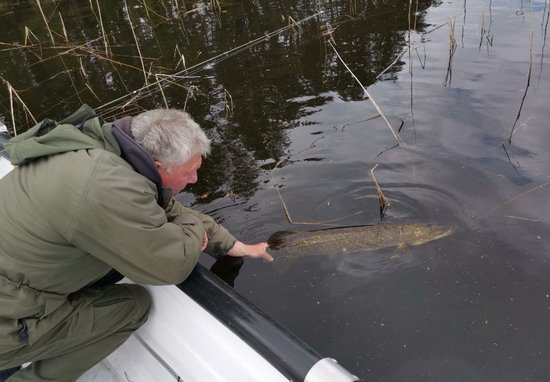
x=327 y=223
x=492 y=210
x=387 y=149
x=508 y=156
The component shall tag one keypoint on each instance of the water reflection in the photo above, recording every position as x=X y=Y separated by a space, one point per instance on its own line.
x=101 y=51
x=227 y=268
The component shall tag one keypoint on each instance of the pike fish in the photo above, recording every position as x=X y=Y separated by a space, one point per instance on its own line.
x=292 y=244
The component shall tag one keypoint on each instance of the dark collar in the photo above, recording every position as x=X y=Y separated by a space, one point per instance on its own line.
x=138 y=158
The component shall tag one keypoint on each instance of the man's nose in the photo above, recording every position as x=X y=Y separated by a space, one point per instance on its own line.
x=193 y=178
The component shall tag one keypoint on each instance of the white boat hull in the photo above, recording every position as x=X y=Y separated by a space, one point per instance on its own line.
x=181 y=339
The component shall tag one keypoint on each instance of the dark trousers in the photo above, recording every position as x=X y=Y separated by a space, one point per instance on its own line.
x=102 y=319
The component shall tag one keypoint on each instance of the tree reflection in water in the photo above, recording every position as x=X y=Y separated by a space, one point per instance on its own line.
x=271 y=84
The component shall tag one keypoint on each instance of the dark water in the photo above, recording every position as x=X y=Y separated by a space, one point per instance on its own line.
x=474 y=306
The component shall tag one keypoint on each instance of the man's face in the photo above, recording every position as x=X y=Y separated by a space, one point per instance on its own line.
x=180 y=176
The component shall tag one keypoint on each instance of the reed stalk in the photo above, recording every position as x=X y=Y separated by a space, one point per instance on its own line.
x=452 y=49
x=162 y=92
x=45 y=21
x=229 y=105
x=82 y=70
x=383 y=202
x=211 y=61
x=190 y=94
x=28 y=35
x=512 y=131
x=92 y=91
x=107 y=53
x=411 y=64
x=11 y=110
x=182 y=57
x=92 y=8
x=64 y=29
x=378 y=109
x=13 y=93
x=145 y=76
x=482 y=33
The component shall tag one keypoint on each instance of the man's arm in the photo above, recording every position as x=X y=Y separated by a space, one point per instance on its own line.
x=219 y=242
x=119 y=221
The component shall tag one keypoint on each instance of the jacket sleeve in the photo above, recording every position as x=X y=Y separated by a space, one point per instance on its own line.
x=220 y=241
x=119 y=221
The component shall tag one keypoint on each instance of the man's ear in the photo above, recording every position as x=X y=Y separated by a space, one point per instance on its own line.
x=158 y=165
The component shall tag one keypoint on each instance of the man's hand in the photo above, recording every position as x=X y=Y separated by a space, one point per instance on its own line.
x=250 y=250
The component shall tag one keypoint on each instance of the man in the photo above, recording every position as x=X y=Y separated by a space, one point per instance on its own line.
x=85 y=199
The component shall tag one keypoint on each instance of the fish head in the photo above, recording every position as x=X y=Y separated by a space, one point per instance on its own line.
x=280 y=239
x=423 y=233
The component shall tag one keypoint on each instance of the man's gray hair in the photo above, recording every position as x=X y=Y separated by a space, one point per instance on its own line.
x=169 y=136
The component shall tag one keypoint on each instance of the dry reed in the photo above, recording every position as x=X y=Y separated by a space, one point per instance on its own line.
x=378 y=109
x=190 y=94
x=147 y=89
x=106 y=45
x=45 y=21
x=383 y=201
x=145 y=76
x=411 y=62
x=64 y=29
x=512 y=131
x=452 y=49
x=162 y=93
x=28 y=35
x=13 y=95
x=229 y=105
x=92 y=91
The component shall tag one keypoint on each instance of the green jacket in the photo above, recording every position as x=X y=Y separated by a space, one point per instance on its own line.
x=73 y=210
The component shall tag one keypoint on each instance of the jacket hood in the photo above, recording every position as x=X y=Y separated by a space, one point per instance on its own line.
x=138 y=158
x=82 y=130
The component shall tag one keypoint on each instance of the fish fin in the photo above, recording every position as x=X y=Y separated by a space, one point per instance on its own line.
x=280 y=238
x=286 y=262
x=400 y=250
